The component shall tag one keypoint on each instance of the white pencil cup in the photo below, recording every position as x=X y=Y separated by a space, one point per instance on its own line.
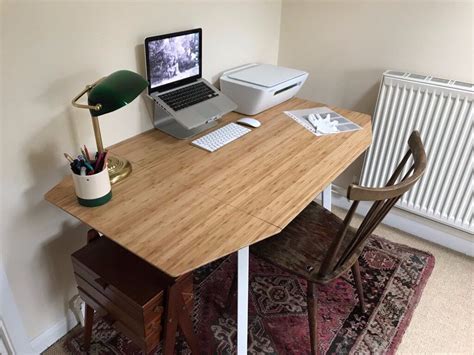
x=93 y=190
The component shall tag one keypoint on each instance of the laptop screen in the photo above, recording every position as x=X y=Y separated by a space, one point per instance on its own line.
x=173 y=59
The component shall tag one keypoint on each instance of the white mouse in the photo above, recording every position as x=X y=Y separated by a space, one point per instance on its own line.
x=251 y=122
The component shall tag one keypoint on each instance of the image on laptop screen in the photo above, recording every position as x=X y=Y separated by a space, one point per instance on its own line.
x=173 y=58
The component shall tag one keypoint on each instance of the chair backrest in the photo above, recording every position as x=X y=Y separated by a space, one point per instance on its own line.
x=384 y=199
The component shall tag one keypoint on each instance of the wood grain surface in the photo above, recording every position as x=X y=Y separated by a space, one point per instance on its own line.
x=183 y=207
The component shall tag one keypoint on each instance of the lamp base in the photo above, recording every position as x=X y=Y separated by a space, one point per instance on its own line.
x=119 y=169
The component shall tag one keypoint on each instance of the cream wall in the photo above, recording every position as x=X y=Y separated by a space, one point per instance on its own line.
x=347 y=45
x=50 y=51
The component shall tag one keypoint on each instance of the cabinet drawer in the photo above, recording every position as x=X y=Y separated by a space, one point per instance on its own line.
x=121 y=275
x=142 y=313
x=148 y=342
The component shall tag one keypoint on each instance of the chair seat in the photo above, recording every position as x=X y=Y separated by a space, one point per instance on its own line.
x=303 y=244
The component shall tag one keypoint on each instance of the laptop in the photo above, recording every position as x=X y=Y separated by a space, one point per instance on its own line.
x=174 y=73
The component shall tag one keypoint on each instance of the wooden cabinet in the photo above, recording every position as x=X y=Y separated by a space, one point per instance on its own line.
x=129 y=290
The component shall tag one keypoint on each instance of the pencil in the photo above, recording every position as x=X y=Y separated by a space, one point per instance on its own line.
x=98 y=160
x=104 y=163
x=87 y=153
x=84 y=154
x=69 y=158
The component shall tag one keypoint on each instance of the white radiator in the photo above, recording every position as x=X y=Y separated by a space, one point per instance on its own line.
x=442 y=110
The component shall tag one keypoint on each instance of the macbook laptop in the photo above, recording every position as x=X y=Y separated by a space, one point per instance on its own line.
x=174 y=72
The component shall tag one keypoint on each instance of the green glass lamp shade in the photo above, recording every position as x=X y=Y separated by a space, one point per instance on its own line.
x=115 y=91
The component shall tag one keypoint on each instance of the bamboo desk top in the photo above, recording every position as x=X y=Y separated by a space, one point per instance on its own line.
x=183 y=207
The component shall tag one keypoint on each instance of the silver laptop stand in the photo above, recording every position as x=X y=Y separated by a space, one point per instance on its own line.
x=166 y=123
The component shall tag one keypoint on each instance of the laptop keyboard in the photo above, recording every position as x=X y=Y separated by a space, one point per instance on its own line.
x=188 y=96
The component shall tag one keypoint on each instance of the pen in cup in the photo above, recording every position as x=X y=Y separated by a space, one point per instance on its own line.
x=69 y=158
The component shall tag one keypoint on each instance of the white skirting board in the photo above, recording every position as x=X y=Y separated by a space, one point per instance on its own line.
x=418 y=226
x=54 y=333
x=13 y=338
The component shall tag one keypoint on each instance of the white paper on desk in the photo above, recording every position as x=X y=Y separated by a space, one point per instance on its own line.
x=343 y=124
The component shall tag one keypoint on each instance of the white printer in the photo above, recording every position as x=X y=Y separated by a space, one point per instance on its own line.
x=257 y=87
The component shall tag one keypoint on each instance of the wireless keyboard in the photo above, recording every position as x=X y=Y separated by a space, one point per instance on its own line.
x=220 y=137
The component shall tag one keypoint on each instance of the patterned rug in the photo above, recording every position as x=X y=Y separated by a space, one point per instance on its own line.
x=393 y=276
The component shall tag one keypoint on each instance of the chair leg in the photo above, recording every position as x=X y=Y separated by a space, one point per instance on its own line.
x=358 y=282
x=177 y=315
x=186 y=326
x=170 y=322
x=312 y=301
x=169 y=337
x=88 y=322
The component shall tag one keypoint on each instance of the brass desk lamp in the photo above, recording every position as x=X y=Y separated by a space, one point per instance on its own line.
x=106 y=95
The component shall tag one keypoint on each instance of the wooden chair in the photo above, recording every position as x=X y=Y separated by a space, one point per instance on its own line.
x=320 y=247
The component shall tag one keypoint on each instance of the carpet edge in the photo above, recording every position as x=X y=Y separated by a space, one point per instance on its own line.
x=411 y=310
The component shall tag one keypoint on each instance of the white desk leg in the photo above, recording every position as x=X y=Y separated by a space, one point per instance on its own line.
x=242 y=299
x=326 y=197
